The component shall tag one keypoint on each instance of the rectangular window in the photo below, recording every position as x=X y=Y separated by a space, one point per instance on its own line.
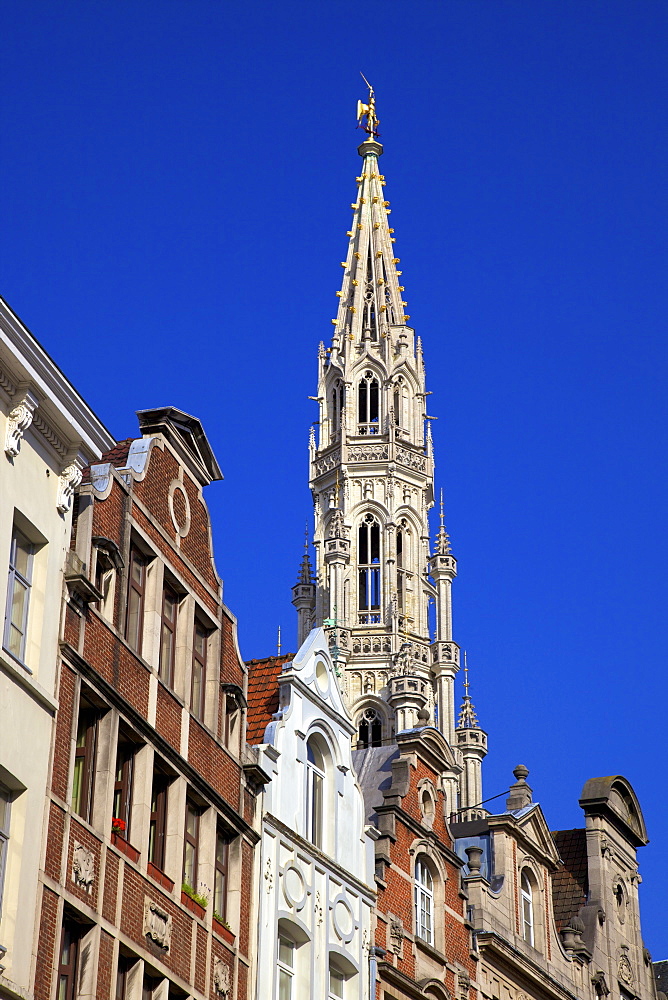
x=125 y=963
x=5 y=808
x=191 y=846
x=123 y=785
x=220 y=875
x=158 y=820
x=198 y=684
x=67 y=965
x=134 y=624
x=84 y=760
x=18 y=594
x=336 y=983
x=170 y=603
x=286 y=968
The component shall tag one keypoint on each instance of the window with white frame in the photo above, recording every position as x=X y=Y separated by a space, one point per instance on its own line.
x=5 y=808
x=286 y=968
x=336 y=983
x=18 y=594
x=315 y=790
x=526 y=893
x=424 y=902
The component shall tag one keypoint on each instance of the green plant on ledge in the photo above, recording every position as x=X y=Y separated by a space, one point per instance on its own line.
x=195 y=896
x=217 y=916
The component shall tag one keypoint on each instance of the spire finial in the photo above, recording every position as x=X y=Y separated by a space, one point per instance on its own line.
x=305 y=571
x=278 y=642
x=467 y=717
x=368 y=111
x=442 y=539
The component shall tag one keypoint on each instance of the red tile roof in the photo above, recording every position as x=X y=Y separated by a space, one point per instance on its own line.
x=570 y=883
x=117 y=456
x=263 y=693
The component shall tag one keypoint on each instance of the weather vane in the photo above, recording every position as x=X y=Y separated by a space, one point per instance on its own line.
x=368 y=111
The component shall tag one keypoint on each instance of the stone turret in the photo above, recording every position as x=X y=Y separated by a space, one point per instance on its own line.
x=471 y=742
x=303 y=596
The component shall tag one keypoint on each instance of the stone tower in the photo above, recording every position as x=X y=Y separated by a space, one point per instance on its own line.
x=372 y=479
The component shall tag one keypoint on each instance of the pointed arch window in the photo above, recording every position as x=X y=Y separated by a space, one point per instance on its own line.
x=369 y=729
x=403 y=561
x=526 y=894
x=368 y=559
x=399 y=402
x=337 y=399
x=368 y=414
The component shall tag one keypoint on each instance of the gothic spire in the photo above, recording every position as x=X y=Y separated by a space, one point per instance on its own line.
x=442 y=539
x=305 y=569
x=371 y=302
x=467 y=717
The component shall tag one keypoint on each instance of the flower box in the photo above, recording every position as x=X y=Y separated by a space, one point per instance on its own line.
x=194 y=907
x=123 y=845
x=160 y=877
x=223 y=931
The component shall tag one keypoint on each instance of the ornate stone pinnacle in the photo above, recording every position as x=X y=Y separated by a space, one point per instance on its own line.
x=305 y=570
x=467 y=717
x=442 y=539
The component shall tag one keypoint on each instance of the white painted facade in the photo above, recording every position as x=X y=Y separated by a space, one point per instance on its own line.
x=316 y=866
x=48 y=435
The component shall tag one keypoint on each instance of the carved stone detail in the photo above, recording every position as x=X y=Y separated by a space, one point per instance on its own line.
x=411 y=460
x=368 y=453
x=624 y=970
x=268 y=875
x=83 y=867
x=19 y=420
x=70 y=478
x=157 y=924
x=396 y=940
x=221 y=978
x=327 y=462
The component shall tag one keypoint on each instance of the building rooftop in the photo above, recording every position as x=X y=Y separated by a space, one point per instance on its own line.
x=263 y=677
x=570 y=884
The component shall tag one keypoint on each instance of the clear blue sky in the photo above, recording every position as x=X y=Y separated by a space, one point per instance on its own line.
x=176 y=181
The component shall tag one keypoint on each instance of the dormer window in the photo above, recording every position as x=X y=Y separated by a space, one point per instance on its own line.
x=526 y=894
x=368 y=420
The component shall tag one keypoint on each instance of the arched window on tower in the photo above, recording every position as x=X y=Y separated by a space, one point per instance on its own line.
x=526 y=893
x=369 y=729
x=337 y=397
x=368 y=560
x=368 y=420
x=403 y=539
x=369 y=322
x=399 y=402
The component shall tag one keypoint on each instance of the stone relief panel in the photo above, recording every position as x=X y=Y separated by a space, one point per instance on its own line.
x=221 y=979
x=157 y=924
x=83 y=867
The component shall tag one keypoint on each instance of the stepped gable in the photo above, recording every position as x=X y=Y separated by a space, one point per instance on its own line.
x=570 y=884
x=263 y=693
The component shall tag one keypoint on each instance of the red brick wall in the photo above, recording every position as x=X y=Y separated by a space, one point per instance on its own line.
x=105 y=967
x=214 y=763
x=116 y=663
x=110 y=888
x=200 y=959
x=54 y=843
x=61 y=754
x=49 y=930
x=168 y=717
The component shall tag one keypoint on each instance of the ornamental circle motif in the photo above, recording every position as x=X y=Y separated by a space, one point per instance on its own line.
x=179 y=508
x=344 y=921
x=294 y=887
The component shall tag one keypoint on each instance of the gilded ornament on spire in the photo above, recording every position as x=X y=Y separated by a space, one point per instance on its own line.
x=368 y=112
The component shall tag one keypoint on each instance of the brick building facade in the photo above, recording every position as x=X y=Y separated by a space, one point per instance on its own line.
x=149 y=853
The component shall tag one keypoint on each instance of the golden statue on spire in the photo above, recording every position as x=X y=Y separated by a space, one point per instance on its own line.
x=368 y=111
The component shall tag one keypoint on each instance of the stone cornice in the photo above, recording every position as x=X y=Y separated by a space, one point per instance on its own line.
x=516 y=962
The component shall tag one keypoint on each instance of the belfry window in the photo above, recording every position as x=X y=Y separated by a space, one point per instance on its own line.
x=336 y=409
x=368 y=558
x=367 y=405
x=369 y=729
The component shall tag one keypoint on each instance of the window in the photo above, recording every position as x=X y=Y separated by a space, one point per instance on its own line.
x=367 y=405
x=191 y=845
x=402 y=560
x=368 y=559
x=123 y=783
x=337 y=398
x=84 y=760
x=198 y=682
x=134 y=624
x=149 y=986
x=18 y=594
x=369 y=729
x=5 y=808
x=286 y=968
x=125 y=963
x=67 y=964
x=104 y=578
x=315 y=777
x=424 y=903
x=170 y=603
x=336 y=984
x=526 y=894
x=220 y=874
x=158 y=820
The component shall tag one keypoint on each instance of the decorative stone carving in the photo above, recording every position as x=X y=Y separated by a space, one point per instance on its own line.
x=70 y=478
x=157 y=924
x=221 y=978
x=624 y=969
x=368 y=453
x=39 y=424
x=411 y=460
x=463 y=985
x=327 y=462
x=396 y=940
x=268 y=876
x=18 y=421
x=83 y=867
x=600 y=985
x=317 y=908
